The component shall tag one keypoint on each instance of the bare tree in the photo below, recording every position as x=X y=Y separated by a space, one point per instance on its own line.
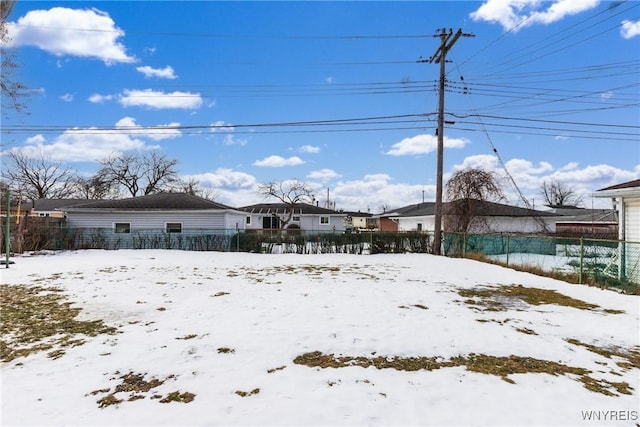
x=557 y=194
x=193 y=187
x=139 y=174
x=12 y=91
x=93 y=187
x=466 y=192
x=38 y=177
x=291 y=193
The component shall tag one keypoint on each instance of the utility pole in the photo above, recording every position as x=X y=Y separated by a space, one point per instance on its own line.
x=447 y=40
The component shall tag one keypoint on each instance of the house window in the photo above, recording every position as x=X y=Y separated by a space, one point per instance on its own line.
x=296 y=219
x=324 y=220
x=122 y=227
x=173 y=227
x=248 y=220
x=419 y=226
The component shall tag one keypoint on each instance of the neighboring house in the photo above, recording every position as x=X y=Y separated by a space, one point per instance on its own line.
x=488 y=217
x=170 y=212
x=305 y=217
x=49 y=207
x=591 y=223
x=358 y=221
x=626 y=198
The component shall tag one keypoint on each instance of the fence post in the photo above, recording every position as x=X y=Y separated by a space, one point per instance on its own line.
x=581 y=258
x=507 y=250
x=464 y=245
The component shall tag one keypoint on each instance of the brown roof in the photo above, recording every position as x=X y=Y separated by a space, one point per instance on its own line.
x=629 y=184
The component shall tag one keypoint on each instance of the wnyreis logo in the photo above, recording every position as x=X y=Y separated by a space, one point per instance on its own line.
x=609 y=415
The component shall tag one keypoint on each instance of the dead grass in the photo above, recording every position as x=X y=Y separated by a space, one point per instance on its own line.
x=38 y=318
x=247 y=393
x=589 y=280
x=499 y=366
x=137 y=387
x=630 y=357
x=507 y=297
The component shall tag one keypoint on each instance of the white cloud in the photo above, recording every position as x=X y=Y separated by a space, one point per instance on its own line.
x=160 y=100
x=35 y=140
x=606 y=95
x=227 y=129
x=375 y=191
x=487 y=162
x=59 y=31
x=529 y=177
x=225 y=179
x=323 y=175
x=67 y=97
x=94 y=144
x=80 y=145
x=231 y=187
x=162 y=73
x=517 y=14
x=630 y=29
x=278 y=161
x=157 y=133
x=221 y=126
x=421 y=144
x=96 y=98
x=311 y=149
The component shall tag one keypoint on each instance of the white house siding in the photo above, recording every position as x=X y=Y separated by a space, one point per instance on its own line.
x=497 y=224
x=308 y=223
x=411 y=223
x=632 y=235
x=150 y=220
x=632 y=219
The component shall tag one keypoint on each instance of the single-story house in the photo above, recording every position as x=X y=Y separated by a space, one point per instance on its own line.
x=135 y=221
x=306 y=217
x=582 y=222
x=488 y=217
x=626 y=199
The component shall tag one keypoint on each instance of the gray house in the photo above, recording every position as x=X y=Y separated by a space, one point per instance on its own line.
x=162 y=220
x=489 y=217
x=305 y=217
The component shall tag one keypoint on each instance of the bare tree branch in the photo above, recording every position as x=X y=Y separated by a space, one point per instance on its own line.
x=291 y=193
x=557 y=194
x=38 y=177
x=465 y=191
x=11 y=90
x=146 y=174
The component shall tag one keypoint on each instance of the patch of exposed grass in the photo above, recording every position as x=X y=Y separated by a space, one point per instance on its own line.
x=502 y=298
x=176 y=396
x=138 y=387
x=598 y=281
x=187 y=337
x=247 y=393
x=220 y=294
x=279 y=368
x=37 y=318
x=631 y=357
x=527 y=331
x=226 y=350
x=500 y=366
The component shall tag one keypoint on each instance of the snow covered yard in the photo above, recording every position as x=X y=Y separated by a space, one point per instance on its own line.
x=208 y=338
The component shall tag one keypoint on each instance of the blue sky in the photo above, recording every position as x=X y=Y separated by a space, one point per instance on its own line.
x=334 y=93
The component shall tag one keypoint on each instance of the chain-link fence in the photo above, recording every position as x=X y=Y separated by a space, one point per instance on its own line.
x=606 y=262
